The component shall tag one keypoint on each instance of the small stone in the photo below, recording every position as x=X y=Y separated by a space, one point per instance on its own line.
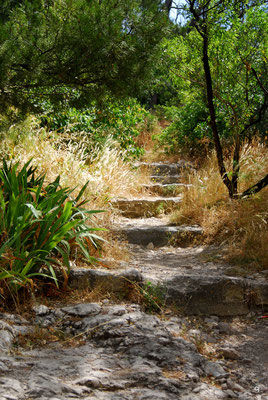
x=259 y=388
x=209 y=338
x=6 y=340
x=90 y=381
x=225 y=328
x=229 y=353
x=41 y=310
x=58 y=313
x=83 y=310
x=150 y=246
x=245 y=396
x=215 y=318
x=5 y=326
x=3 y=367
x=215 y=370
x=45 y=322
x=231 y=394
x=117 y=310
x=247 y=360
x=133 y=275
x=234 y=386
x=193 y=376
x=194 y=333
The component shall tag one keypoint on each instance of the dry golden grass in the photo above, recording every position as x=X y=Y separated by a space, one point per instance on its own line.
x=108 y=175
x=241 y=224
x=179 y=375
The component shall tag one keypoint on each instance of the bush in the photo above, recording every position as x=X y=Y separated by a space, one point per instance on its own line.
x=189 y=131
x=90 y=128
x=240 y=224
x=39 y=226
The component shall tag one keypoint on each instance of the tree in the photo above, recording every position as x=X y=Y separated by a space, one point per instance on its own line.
x=233 y=54
x=76 y=50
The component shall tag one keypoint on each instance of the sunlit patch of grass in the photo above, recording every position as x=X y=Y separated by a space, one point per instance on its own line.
x=240 y=224
x=106 y=172
x=179 y=375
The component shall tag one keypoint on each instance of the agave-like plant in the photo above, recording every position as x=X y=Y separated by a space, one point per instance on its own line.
x=38 y=225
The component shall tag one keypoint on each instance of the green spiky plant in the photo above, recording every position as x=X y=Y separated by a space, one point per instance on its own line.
x=39 y=224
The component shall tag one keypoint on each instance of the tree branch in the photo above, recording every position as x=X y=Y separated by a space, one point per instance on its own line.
x=255 y=188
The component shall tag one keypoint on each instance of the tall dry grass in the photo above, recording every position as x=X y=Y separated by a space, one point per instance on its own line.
x=107 y=172
x=240 y=224
x=108 y=175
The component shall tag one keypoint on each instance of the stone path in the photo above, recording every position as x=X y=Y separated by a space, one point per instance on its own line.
x=108 y=351
x=195 y=279
x=117 y=352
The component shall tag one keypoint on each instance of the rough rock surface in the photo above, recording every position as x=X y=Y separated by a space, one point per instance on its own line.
x=143 y=231
x=115 y=352
x=147 y=206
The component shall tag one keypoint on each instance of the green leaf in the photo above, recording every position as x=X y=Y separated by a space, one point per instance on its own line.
x=36 y=213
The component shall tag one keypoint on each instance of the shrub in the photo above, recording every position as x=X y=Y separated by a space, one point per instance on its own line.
x=189 y=131
x=39 y=226
x=241 y=224
x=123 y=121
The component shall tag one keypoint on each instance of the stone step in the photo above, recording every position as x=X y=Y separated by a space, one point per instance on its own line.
x=161 y=169
x=190 y=294
x=159 y=236
x=166 y=179
x=166 y=189
x=139 y=207
x=216 y=295
x=113 y=281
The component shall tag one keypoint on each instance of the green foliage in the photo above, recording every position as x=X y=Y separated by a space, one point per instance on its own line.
x=76 y=51
x=188 y=129
x=238 y=61
x=123 y=120
x=39 y=224
x=153 y=297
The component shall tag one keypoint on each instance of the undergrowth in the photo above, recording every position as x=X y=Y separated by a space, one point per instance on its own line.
x=239 y=224
x=41 y=225
x=107 y=173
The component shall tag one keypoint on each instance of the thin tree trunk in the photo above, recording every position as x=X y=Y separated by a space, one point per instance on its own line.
x=213 y=122
x=255 y=188
x=236 y=165
x=168 y=5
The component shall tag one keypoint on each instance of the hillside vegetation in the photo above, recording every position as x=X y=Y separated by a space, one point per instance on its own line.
x=87 y=88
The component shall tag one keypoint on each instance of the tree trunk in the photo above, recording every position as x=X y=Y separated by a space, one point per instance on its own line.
x=236 y=165
x=168 y=4
x=255 y=188
x=213 y=123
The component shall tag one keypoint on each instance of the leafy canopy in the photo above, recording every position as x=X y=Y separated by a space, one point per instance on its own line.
x=76 y=50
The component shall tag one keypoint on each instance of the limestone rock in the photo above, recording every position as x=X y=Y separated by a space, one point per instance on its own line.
x=229 y=353
x=82 y=310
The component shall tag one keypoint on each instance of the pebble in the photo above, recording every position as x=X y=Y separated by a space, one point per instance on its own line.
x=229 y=353
x=215 y=370
x=231 y=394
x=234 y=386
x=82 y=310
x=41 y=310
